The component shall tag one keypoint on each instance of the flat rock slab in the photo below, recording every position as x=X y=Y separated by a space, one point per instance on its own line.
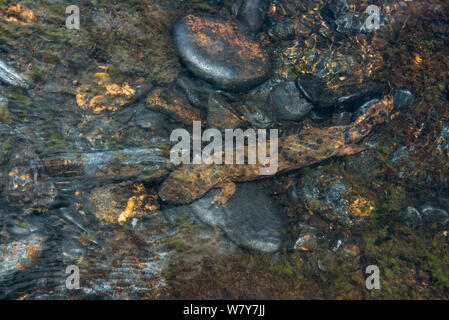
x=221 y=52
x=251 y=218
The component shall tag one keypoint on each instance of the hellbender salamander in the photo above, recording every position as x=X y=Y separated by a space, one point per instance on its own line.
x=190 y=182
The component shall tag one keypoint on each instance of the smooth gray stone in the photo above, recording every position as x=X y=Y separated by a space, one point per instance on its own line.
x=220 y=52
x=252 y=13
x=287 y=104
x=251 y=218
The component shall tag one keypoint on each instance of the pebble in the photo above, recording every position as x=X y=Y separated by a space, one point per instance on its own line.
x=307 y=239
x=287 y=104
x=403 y=99
x=410 y=217
x=252 y=13
x=327 y=194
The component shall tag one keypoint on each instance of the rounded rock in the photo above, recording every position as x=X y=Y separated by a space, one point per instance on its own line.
x=434 y=216
x=220 y=52
x=410 y=217
x=252 y=13
x=287 y=103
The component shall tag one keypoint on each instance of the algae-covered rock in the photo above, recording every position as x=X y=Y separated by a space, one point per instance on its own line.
x=435 y=217
x=116 y=204
x=97 y=91
x=174 y=104
x=335 y=198
x=18 y=255
x=25 y=180
x=410 y=217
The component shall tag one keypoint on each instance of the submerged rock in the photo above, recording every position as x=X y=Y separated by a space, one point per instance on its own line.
x=334 y=198
x=403 y=99
x=410 y=217
x=435 y=217
x=430 y=217
x=251 y=218
x=119 y=203
x=364 y=164
x=26 y=180
x=252 y=13
x=18 y=255
x=220 y=115
x=337 y=241
x=152 y=120
x=174 y=104
x=72 y=250
x=196 y=90
x=11 y=77
x=307 y=239
x=347 y=97
x=289 y=29
x=255 y=108
x=310 y=86
x=255 y=113
x=220 y=52
x=145 y=163
x=286 y=102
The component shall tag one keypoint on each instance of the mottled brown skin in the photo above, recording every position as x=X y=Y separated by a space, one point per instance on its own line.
x=190 y=182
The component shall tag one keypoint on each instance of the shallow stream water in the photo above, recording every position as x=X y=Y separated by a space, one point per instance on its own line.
x=86 y=114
